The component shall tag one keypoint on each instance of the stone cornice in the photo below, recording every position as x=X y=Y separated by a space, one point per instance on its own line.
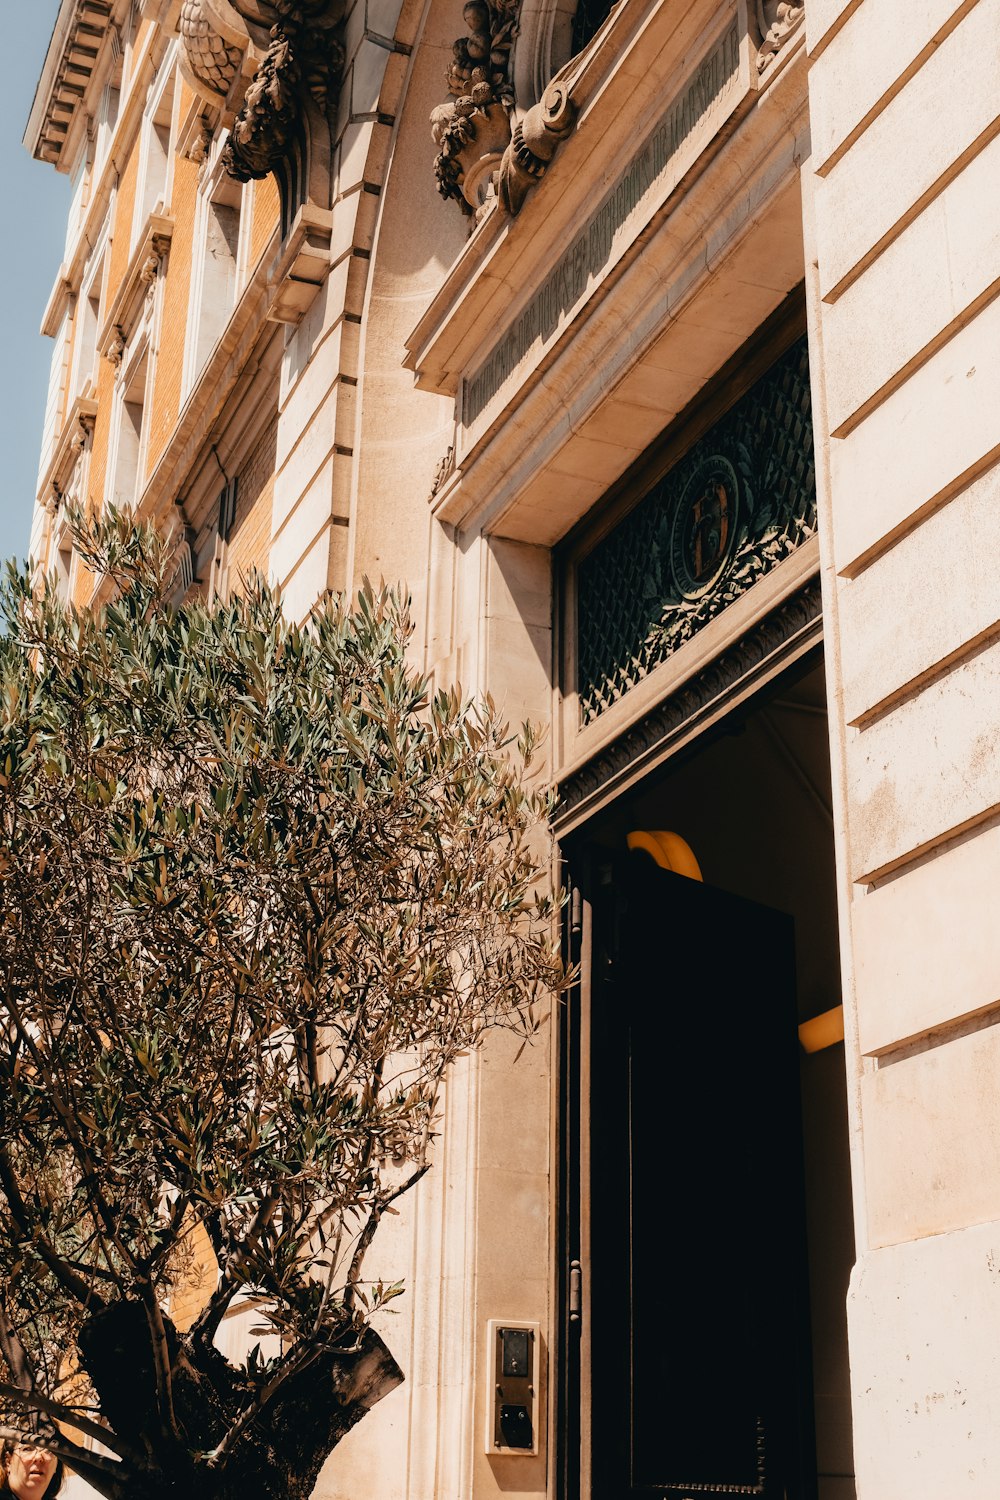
x=80 y=32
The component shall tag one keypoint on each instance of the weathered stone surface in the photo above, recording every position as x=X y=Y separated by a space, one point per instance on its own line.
x=941 y=425
x=922 y=287
x=892 y=634
x=925 y=1367
x=912 y=974
x=921 y=137
x=926 y=770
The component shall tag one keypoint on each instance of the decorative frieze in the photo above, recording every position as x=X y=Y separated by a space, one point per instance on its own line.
x=738 y=503
x=781 y=636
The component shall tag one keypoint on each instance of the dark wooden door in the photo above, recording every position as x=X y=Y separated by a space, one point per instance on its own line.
x=700 y=1382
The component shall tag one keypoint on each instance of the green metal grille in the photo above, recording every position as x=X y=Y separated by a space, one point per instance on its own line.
x=742 y=499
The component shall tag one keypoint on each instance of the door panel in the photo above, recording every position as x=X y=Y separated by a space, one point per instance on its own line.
x=700 y=1368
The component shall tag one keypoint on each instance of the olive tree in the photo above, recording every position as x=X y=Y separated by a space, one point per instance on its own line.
x=259 y=888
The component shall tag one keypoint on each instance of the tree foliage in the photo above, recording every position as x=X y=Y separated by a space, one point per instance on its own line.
x=259 y=888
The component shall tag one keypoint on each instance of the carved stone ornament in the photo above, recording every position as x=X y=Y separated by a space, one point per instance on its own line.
x=444 y=470
x=472 y=130
x=533 y=145
x=778 y=20
x=286 y=110
x=214 y=61
x=150 y=268
x=116 y=349
x=304 y=58
x=201 y=145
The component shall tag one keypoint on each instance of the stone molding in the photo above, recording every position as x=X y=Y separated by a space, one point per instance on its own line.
x=72 y=441
x=136 y=284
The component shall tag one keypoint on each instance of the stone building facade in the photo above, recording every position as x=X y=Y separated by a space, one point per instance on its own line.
x=655 y=347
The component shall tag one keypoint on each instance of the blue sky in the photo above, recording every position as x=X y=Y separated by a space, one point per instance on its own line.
x=36 y=201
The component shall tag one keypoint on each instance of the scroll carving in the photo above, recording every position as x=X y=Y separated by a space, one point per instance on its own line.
x=473 y=130
x=778 y=20
x=115 y=351
x=533 y=144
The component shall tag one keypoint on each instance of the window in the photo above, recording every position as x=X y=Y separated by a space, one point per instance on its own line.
x=62 y=558
x=219 y=252
x=129 y=458
x=155 y=154
x=80 y=181
x=87 y=317
x=107 y=117
x=130 y=34
x=590 y=15
x=55 y=401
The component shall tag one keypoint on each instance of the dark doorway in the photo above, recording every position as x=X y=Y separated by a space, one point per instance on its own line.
x=705 y=1327
x=699 y=1330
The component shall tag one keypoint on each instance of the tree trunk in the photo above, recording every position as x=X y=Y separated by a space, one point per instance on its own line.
x=277 y=1457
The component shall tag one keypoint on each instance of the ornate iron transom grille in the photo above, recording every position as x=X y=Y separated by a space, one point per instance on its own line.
x=742 y=499
x=588 y=16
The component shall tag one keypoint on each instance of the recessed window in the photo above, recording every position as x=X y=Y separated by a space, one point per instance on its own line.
x=55 y=400
x=88 y=317
x=127 y=472
x=107 y=116
x=155 y=158
x=81 y=191
x=217 y=271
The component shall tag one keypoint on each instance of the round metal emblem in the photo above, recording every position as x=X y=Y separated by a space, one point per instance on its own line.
x=705 y=528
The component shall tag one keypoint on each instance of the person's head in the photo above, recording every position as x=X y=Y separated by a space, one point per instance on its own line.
x=28 y=1471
